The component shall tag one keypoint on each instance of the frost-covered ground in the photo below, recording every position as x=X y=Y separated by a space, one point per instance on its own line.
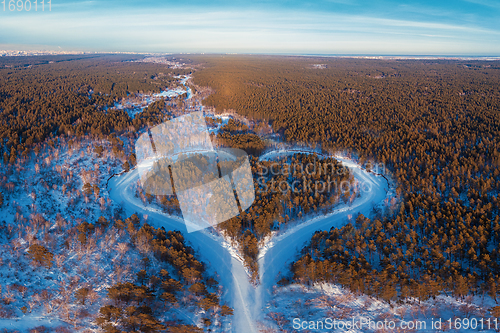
x=256 y=306
x=48 y=189
x=51 y=183
x=246 y=299
x=45 y=205
x=330 y=308
x=44 y=201
x=138 y=103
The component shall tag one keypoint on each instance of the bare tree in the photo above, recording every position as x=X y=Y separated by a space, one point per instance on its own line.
x=122 y=248
x=279 y=319
x=31 y=305
x=92 y=296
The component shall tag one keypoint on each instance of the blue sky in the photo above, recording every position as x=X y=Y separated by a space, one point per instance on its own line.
x=458 y=27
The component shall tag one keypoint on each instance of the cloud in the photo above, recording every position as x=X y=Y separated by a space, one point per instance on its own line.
x=486 y=3
x=178 y=30
x=344 y=2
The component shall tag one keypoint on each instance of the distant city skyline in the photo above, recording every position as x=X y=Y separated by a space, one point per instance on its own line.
x=333 y=27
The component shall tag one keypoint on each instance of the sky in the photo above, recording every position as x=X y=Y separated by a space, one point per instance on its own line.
x=335 y=27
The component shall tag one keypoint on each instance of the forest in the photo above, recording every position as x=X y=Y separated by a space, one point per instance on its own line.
x=43 y=98
x=434 y=124
x=136 y=306
x=70 y=255
x=286 y=190
x=277 y=203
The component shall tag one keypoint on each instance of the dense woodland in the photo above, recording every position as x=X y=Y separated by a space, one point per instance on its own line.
x=435 y=124
x=285 y=190
x=237 y=135
x=277 y=203
x=49 y=107
x=43 y=97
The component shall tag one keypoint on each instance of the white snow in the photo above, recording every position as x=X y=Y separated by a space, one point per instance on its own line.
x=246 y=299
x=251 y=303
x=132 y=106
x=315 y=304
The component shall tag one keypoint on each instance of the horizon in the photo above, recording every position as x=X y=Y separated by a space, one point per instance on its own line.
x=326 y=27
x=48 y=52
